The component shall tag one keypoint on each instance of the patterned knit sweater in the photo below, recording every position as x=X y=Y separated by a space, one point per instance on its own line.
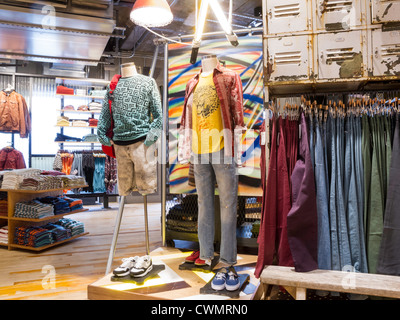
x=136 y=111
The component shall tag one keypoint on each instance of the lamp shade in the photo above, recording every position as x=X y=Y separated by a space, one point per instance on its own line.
x=151 y=13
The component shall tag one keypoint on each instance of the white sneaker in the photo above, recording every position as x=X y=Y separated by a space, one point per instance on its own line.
x=125 y=267
x=142 y=267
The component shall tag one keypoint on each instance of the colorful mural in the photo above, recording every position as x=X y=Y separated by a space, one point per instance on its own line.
x=246 y=60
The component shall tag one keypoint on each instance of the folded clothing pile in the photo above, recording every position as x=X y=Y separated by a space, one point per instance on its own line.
x=63 y=121
x=4 y=234
x=71 y=181
x=58 y=232
x=47 y=234
x=63 y=137
x=95 y=106
x=74 y=204
x=3 y=204
x=76 y=227
x=98 y=93
x=41 y=182
x=91 y=137
x=33 y=209
x=33 y=236
x=13 y=178
x=64 y=90
x=93 y=122
x=59 y=204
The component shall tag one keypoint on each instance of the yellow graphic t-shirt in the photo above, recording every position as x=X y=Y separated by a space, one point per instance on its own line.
x=206 y=117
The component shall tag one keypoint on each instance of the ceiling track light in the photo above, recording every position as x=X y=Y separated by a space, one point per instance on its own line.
x=225 y=23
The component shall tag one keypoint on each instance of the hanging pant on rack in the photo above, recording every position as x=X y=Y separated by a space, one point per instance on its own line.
x=332 y=197
x=376 y=200
x=266 y=237
x=284 y=204
x=324 y=241
x=302 y=219
x=343 y=237
x=389 y=253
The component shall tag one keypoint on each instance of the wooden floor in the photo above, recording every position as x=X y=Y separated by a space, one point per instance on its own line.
x=65 y=271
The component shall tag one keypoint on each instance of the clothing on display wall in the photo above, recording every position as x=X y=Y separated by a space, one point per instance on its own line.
x=14 y=114
x=98 y=169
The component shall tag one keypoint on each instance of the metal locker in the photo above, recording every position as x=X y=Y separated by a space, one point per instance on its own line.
x=289 y=58
x=341 y=55
x=338 y=14
x=288 y=16
x=385 y=11
x=386 y=52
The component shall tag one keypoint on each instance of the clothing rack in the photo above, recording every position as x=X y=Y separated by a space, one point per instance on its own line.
x=358 y=129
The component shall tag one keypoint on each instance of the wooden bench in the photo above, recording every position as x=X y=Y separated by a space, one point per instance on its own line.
x=297 y=283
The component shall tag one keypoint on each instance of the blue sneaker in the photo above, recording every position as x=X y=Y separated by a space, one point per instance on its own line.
x=232 y=282
x=218 y=282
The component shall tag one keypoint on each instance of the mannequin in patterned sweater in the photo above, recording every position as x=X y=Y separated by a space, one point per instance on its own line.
x=137 y=115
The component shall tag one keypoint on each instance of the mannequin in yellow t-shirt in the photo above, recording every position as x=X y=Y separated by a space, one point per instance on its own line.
x=206 y=117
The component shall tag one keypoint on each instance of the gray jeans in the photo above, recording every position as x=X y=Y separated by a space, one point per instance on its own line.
x=208 y=169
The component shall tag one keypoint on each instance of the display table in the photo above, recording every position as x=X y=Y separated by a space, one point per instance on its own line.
x=173 y=282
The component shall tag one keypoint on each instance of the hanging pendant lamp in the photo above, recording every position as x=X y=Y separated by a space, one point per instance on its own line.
x=151 y=13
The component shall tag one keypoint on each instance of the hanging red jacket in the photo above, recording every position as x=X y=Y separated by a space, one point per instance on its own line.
x=11 y=159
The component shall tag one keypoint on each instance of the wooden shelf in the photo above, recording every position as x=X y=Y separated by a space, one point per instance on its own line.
x=79 y=111
x=13 y=245
x=92 y=127
x=56 y=216
x=79 y=96
x=17 y=195
x=38 y=191
x=78 y=142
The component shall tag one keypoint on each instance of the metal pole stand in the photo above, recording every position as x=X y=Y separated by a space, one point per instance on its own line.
x=146 y=224
x=117 y=227
x=116 y=232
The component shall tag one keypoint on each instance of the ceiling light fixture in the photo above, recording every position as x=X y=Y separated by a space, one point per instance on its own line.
x=151 y=13
x=224 y=22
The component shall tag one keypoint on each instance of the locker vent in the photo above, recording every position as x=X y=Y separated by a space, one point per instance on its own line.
x=339 y=54
x=337 y=5
x=390 y=50
x=289 y=10
x=293 y=57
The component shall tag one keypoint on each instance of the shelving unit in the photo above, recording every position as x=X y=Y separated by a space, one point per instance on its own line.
x=17 y=195
x=88 y=83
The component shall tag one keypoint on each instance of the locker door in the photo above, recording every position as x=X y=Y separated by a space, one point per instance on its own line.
x=287 y=16
x=386 y=53
x=289 y=58
x=337 y=14
x=341 y=55
x=385 y=11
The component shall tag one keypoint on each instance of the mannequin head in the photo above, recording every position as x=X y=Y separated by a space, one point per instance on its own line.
x=208 y=63
x=128 y=70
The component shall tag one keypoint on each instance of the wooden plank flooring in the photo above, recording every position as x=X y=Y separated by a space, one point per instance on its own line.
x=65 y=271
